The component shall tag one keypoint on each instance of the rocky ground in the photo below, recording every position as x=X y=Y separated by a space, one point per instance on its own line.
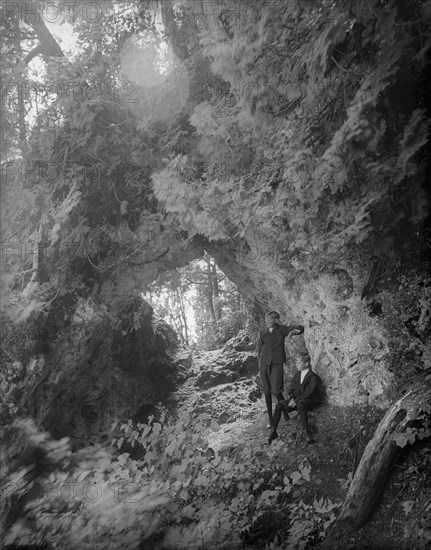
x=225 y=385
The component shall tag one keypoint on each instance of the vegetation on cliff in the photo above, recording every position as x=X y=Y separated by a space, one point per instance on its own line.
x=284 y=141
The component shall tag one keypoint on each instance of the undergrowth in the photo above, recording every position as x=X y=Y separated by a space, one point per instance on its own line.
x=161 y=484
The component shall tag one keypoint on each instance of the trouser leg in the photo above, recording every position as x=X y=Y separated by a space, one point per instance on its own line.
x=275 y=421
x=280 y=398
x=303 y=417
x=276 y=417
x=304 y=406
x=268 y=401
x=281 y=407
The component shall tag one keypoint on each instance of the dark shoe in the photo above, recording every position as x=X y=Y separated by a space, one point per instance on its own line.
x=273 y=435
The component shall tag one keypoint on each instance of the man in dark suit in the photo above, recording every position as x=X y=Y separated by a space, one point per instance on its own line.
x=305 y=391
x=271 y=355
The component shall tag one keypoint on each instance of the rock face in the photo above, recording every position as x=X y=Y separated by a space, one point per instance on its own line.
x=320 y=208
x=213 y=401
x=357 y=353
x=98 y=373
x=231 y=369
x=181 y=362
x=241 y=342
x=221 y=367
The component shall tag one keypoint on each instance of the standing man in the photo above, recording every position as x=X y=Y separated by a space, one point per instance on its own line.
x=271 y=355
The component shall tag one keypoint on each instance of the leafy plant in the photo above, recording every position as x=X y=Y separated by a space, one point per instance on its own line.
x=164 y=483
x=413 y=433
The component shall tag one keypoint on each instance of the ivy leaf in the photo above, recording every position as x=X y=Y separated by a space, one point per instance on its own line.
x=296 y=477
x=122 y=458
x=183 y=466
x=408 y=506
x=306 y=473
x=423 y=433
x=149 y=457
x=401 y=439
x=156 y=428
x=172 y=507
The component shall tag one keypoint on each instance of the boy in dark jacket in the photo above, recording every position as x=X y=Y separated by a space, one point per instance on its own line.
x=305 y=391
x=271 y=355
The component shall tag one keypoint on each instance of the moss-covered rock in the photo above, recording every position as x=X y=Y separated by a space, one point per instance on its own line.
x=99 y=370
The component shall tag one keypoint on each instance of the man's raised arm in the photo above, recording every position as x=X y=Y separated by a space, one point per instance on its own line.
x=294 y=330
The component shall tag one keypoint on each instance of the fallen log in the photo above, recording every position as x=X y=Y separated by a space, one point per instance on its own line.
x=406 y=420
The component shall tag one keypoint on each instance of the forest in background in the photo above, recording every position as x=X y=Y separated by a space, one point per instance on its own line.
x=201 y=303
x=274 y=154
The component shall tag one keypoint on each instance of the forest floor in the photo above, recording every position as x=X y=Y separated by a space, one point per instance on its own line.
x=341 y=436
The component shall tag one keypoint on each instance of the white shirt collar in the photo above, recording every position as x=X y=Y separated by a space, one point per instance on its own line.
x=304 y=374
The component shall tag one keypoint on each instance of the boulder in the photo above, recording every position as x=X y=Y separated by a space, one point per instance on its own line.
x=228 y=402
x=182 y=361
x=225 y=418
x=99 y=371
x=208 y=379
x=237 y=365
x=234 y=362
x=241 y=342
x=249 y=365
x=225 y=366
x=183 y=357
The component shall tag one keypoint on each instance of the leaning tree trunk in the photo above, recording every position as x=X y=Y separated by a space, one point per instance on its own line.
x=401 y=424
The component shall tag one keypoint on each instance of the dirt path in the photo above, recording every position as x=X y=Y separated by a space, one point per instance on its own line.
x=243 y=424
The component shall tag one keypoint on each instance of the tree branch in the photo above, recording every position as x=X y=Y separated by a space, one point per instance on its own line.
x=48 y=44
x=36 y=51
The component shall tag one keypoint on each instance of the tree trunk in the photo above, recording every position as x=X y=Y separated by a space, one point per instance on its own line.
x=381 y=452
x=216 y=291
x=176 y=322
x=172 y=31
x=49 y=47
x=209 y=293
x=21 y=88
x=180 y=299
